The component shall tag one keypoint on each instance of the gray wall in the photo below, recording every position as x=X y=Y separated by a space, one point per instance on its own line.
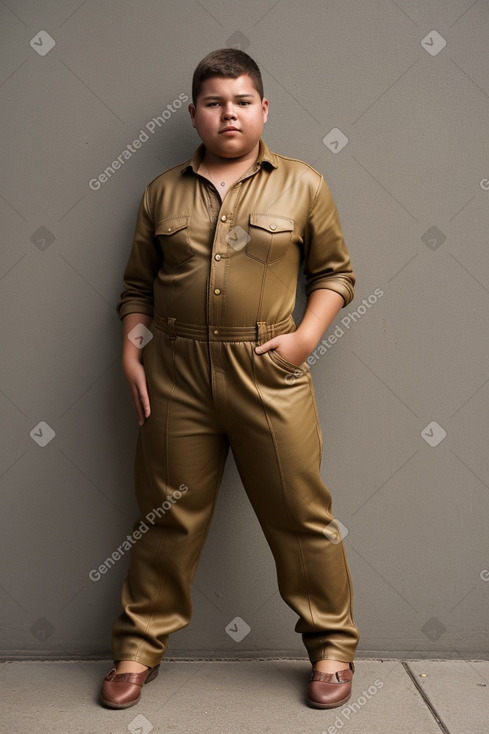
x=409 y=365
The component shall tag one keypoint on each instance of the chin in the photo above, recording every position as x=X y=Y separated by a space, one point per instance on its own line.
x=229 y=151
x=232 y=153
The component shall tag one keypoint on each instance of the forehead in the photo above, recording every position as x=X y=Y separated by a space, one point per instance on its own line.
x=227 y=86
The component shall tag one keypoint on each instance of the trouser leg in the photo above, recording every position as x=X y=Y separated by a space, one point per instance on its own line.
x=276 y=441
x=180 y=446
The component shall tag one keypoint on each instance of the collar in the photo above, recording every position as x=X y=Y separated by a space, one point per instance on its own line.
x=265 y=158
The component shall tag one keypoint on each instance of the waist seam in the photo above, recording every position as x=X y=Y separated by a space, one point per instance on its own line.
x=260 y=331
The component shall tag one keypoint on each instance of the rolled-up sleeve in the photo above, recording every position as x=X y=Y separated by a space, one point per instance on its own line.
x=326 y=257
x=142 y=266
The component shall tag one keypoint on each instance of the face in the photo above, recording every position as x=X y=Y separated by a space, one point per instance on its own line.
x=229 y=116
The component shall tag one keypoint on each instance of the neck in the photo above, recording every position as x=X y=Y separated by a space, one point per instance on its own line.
x=211 y=160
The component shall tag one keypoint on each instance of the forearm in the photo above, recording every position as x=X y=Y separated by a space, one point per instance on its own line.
x=130 y=351
x=323 y=305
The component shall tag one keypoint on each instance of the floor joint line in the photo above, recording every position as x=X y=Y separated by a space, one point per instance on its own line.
x=425 y=698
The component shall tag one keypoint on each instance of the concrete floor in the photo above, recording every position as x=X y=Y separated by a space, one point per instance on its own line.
x=249 y=697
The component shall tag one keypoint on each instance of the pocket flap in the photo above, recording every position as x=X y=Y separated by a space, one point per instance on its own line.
x=272 y=222
x=170 y=225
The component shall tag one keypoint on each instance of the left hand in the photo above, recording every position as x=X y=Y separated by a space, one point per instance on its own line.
x=290 y=346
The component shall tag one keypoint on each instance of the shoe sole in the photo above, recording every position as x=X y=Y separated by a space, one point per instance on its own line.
x=111 y=705
x=334 y=705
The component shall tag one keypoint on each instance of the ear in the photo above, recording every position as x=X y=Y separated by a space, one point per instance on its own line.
x=264 y=106
x=191 y=109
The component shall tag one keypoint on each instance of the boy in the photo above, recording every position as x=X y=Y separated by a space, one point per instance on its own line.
x=213 y=273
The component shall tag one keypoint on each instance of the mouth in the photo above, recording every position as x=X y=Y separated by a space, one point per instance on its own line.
x=230 y=129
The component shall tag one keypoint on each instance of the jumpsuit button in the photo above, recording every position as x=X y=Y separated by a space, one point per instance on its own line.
x=217 y=257
x=217 y=291
x=216 y=331
x=223 y=218
x=273 y=226
x=169 y=229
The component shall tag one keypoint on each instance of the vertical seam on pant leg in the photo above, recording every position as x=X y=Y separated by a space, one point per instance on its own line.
x=218 y=482
x=156 y=598
x=312 y=393
x=350 y=584
x=272 y=434
x=170 y=399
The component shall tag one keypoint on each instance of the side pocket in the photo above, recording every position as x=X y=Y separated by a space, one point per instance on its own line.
x=276 y=357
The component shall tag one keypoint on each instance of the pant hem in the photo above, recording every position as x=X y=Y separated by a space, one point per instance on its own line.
x=151 y=662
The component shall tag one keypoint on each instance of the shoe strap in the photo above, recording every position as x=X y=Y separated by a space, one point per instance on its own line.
x=136 y=679
x=341 y=676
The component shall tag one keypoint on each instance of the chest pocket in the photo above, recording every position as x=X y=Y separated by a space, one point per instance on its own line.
x=172 y=234
x=270 y=237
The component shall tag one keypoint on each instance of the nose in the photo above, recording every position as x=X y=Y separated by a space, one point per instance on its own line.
x=228 y=112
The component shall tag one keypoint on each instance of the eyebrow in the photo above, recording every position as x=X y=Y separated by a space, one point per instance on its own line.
x=236 y=96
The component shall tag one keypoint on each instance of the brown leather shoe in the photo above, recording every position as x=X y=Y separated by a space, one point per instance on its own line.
x=328 y=690
x=122 y=690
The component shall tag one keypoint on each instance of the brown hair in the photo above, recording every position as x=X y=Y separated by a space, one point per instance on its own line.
x=226 y=62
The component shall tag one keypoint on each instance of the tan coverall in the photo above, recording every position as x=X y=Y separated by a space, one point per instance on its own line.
x=218 y=278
